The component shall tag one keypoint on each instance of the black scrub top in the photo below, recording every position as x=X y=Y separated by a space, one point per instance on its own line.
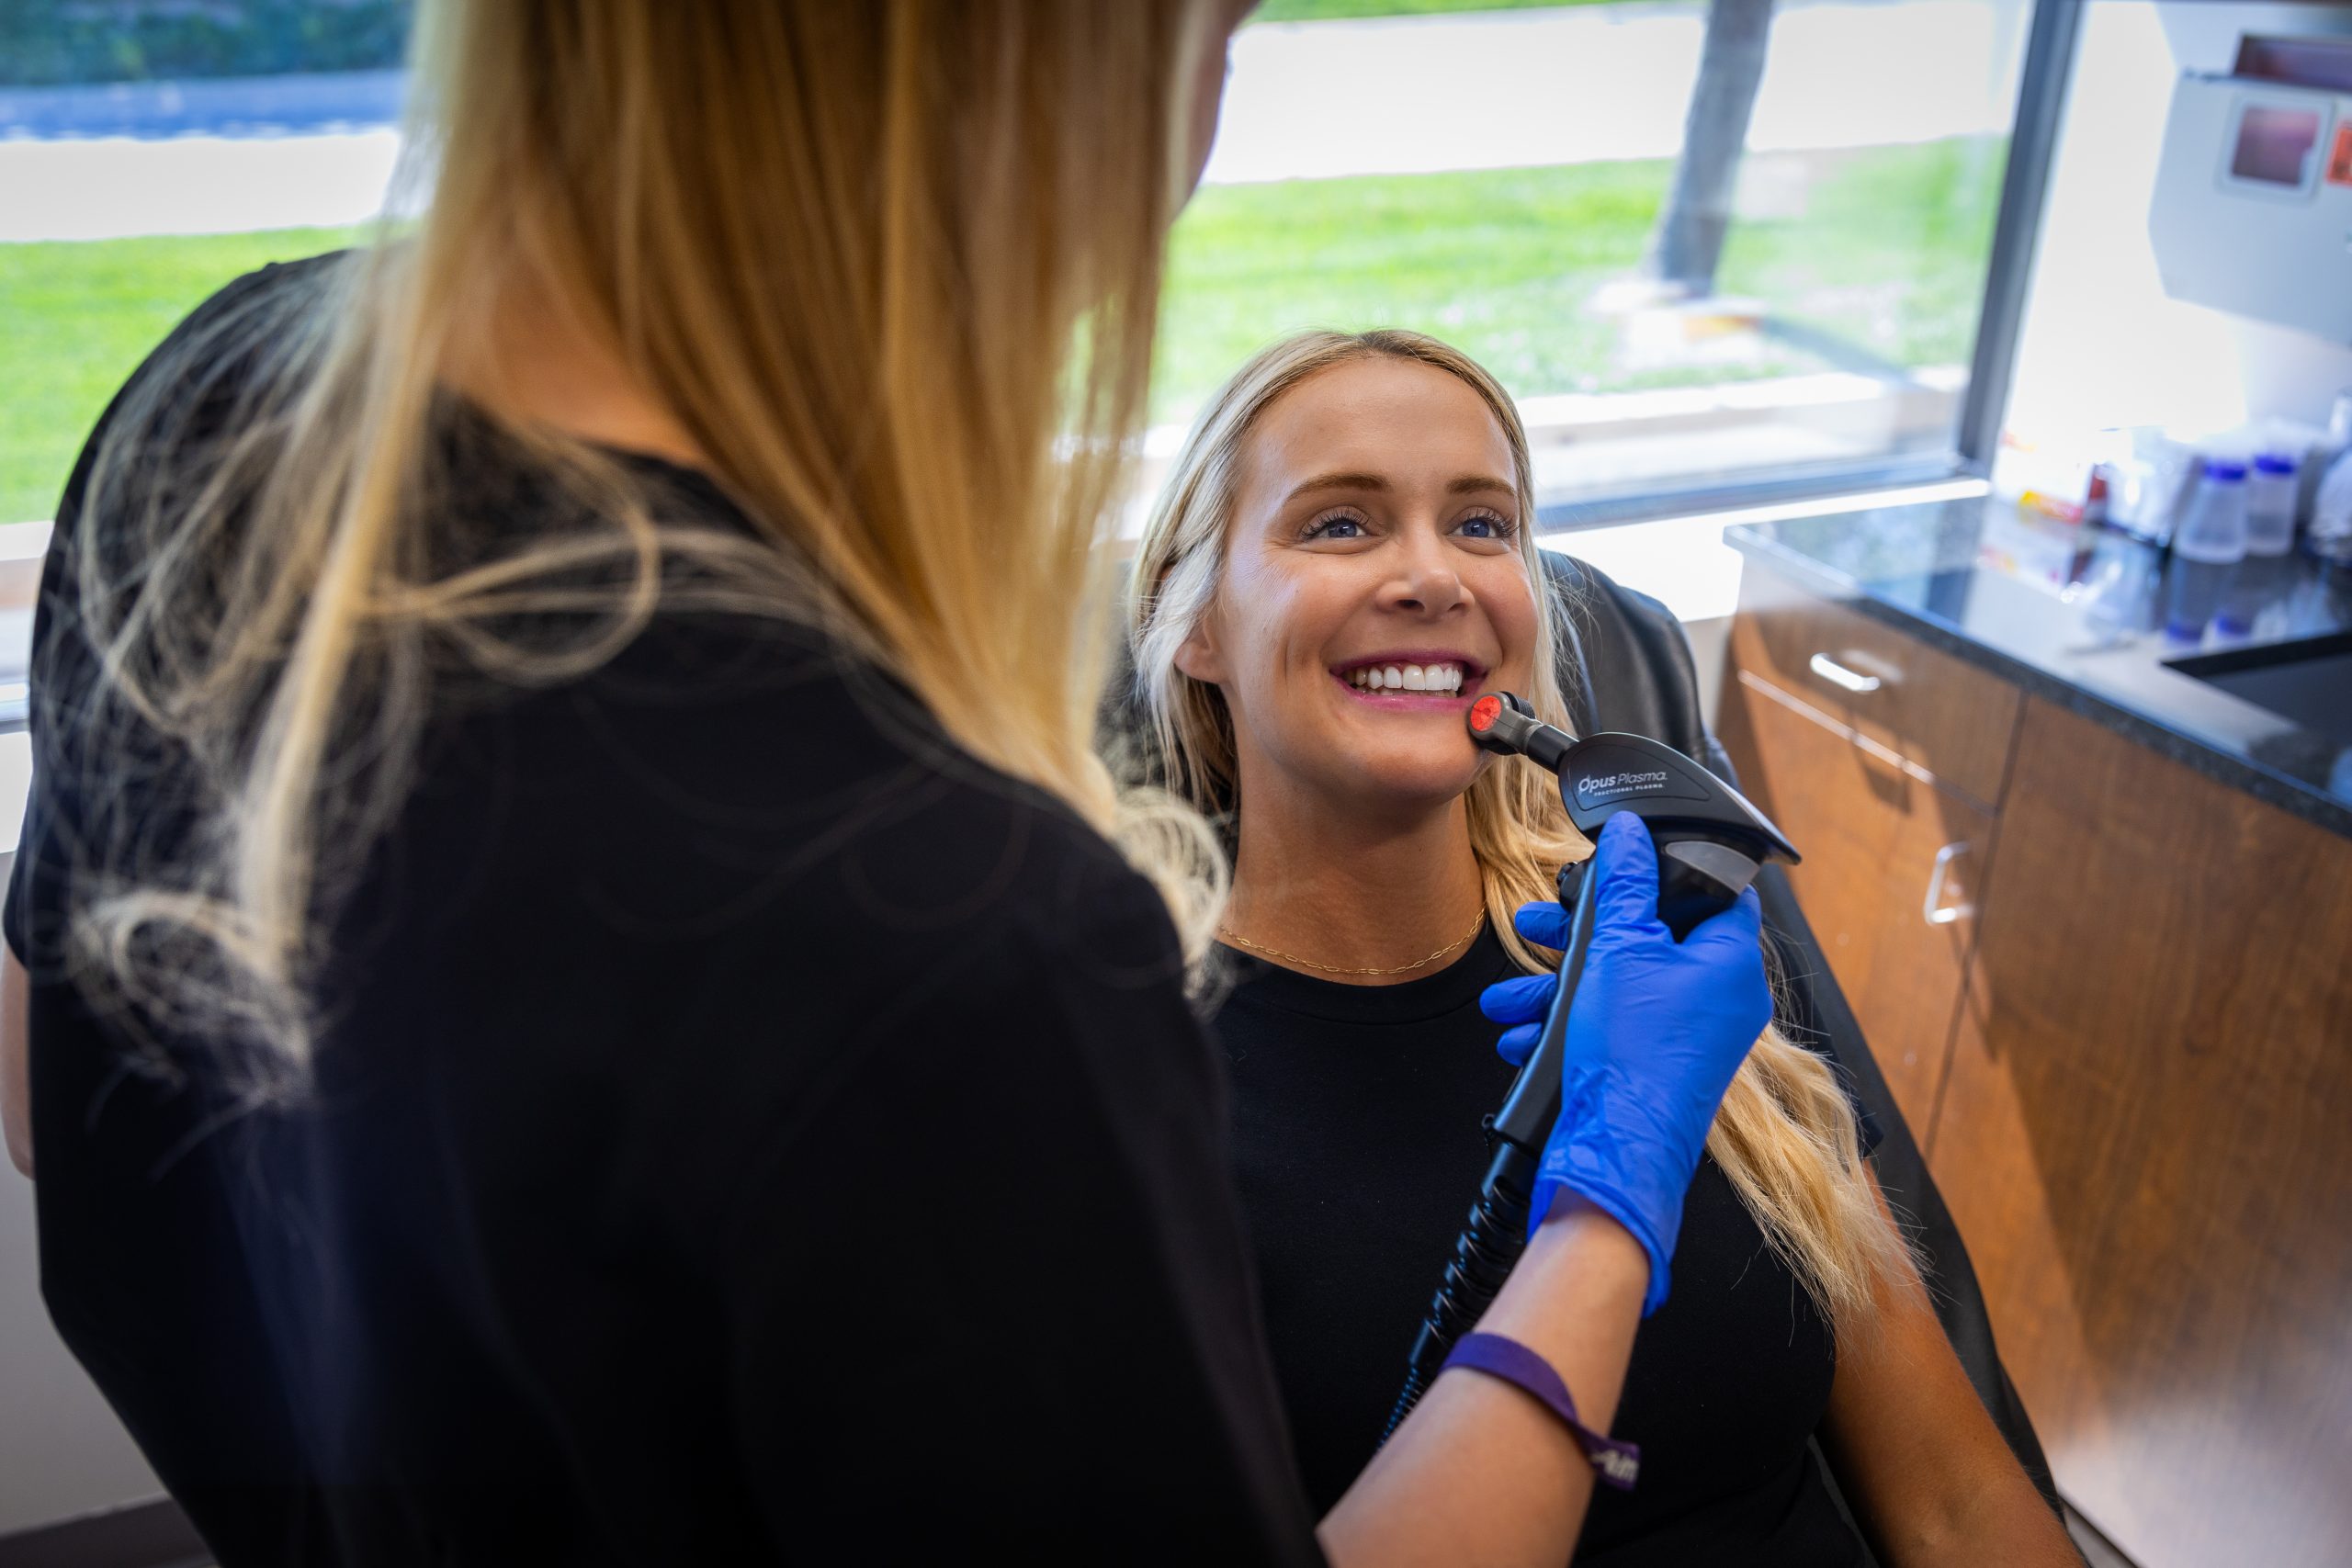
x=1357 y=1113
x=745 y=1130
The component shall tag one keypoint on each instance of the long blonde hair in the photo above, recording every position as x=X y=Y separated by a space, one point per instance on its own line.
x=894 y=267
x=1785 y=1134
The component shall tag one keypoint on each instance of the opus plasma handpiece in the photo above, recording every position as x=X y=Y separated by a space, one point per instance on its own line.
x=1711 y=843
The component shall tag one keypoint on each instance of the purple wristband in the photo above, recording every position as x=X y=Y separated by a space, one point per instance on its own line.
x=1614 y=1464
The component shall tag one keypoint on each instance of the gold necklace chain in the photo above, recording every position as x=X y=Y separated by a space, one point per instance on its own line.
x=1230 y=935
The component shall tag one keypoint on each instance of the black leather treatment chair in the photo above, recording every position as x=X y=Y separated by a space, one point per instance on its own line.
x=1629 y=668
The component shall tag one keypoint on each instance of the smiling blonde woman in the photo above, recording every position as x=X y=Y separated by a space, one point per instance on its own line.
x=1341 y=561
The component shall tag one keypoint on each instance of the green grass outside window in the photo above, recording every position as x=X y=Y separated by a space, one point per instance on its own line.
x=1889 y=253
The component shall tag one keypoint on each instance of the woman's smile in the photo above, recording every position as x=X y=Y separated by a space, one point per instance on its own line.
x=1411 y=680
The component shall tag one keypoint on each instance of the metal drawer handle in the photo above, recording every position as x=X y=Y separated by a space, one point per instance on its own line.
x=1929 y=910
x=1838 y=674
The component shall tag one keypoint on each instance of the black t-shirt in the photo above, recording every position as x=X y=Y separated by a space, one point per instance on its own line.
x=1357 y=1132
x=745 y=1130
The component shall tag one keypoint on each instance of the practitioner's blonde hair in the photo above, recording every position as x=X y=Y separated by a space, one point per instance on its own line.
x=894 y=268
x=1785 y=1134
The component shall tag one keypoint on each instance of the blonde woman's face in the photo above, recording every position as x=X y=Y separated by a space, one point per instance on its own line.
x=1372 y=586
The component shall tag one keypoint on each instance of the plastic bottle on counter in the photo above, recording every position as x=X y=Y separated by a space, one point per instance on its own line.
x=2206 y=549
x=2257 y=601
x=2320 y=460
x=2121 y=590
x=2271 y=505
x=2330 y=535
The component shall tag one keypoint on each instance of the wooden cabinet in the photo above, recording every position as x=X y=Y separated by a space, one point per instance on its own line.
x=2146 y=1139
x=2128 y=1056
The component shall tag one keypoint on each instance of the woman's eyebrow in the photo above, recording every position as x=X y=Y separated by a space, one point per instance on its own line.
x=1336 y=481
x=1476 y=484
x=1468 y=484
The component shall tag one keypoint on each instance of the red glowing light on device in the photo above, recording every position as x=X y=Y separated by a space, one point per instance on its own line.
x=1484 y=711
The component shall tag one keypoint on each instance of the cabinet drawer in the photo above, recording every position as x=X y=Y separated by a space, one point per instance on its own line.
x=1947 y=717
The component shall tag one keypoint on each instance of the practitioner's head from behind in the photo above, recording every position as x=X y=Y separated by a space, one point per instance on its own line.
x=889 y=271
x=1341 y=560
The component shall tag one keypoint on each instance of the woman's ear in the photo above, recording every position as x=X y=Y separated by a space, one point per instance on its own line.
x=1198 y=656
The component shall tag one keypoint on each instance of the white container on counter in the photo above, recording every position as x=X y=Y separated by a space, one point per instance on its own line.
x=2271 y=505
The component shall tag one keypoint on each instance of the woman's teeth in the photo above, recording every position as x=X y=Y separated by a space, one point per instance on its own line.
x=1406 y=678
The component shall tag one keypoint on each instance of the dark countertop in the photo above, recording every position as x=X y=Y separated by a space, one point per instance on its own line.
x=2077 y=616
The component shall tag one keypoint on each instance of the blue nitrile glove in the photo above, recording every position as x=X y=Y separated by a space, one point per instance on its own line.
x=1656 y=1030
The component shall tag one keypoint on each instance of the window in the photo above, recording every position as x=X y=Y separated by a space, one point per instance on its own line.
x=1702 y=245
x=1707 y=245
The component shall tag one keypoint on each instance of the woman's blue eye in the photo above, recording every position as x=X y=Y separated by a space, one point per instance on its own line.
x=1333 y=527
x=1496 y=528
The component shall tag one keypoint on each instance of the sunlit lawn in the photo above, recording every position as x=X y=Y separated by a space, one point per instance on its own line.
x=75 y=318
x=1888 y=252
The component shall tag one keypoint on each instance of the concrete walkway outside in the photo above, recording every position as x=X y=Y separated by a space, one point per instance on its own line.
x=1305 y=100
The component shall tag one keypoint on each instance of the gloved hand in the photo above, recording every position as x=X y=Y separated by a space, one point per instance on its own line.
x=1654 y=1036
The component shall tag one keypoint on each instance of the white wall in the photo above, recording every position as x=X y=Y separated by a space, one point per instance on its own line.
x=2102 y=344
x=62 y=1451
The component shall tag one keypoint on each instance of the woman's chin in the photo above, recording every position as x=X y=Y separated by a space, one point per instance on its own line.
x=1403 y=789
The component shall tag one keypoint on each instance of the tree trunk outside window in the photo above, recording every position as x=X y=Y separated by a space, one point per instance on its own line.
x=1687 y=243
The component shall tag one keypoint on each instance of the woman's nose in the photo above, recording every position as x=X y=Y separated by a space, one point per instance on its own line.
x=1425 y=580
